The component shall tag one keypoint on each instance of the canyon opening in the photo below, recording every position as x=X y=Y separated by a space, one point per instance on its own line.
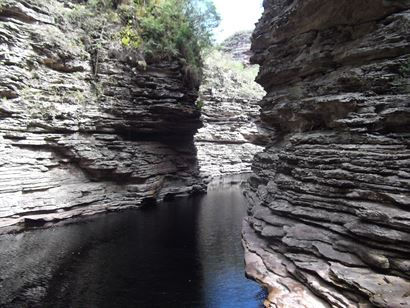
x=205 y=153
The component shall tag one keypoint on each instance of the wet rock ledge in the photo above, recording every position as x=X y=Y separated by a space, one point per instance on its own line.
x=85 y=130
x=329 y=216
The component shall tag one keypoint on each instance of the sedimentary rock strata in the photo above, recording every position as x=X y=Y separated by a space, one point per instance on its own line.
x=82 y=129
x=329 y=220
x=232 y=133
x=238 y=46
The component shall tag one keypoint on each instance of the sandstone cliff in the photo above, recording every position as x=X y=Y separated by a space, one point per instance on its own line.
x=232 y=132
x=238 y=46
x=85 y=126
x=329 y=222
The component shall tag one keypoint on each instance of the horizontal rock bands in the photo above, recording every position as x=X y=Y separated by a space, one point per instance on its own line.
x=330 y=195
x=78 y=138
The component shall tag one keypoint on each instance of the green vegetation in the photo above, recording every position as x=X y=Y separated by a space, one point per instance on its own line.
x=160 y=29
x=230 y=77
x=130 y=37
x=405 y=69
x=402 y=82
x=199 y=104
x=225 y=62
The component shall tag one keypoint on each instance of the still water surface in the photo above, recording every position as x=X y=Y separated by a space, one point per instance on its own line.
x=185 y=253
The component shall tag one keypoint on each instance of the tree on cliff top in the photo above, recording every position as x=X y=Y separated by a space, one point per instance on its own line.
x=161 y=29
x=168 y=28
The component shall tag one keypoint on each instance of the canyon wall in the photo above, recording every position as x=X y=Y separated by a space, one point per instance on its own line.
x=85 y=124
x=232 y=133
x=329 y=215
x=238 y=46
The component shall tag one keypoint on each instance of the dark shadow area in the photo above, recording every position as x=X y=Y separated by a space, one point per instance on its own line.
x=183 y=253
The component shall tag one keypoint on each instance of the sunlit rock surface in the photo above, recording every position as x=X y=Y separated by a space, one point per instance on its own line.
x=239 y=46
x=329 y=215
x=228 y=98
x=85 y=130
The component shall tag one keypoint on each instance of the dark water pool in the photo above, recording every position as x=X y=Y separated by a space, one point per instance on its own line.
x=185 y=253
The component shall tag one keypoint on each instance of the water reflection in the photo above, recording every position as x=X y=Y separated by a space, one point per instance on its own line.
x=185 y=253
x=219 y=228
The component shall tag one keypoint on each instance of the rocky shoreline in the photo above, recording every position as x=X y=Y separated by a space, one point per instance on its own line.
x=329 y=220
x=81 y=134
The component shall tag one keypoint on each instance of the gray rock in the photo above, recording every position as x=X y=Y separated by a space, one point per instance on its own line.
x=228 y=96
x=329 y=200
x=78 y=138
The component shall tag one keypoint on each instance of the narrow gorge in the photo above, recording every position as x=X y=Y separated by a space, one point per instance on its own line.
x=271 y=168
x=228 y=97
x=98 y=116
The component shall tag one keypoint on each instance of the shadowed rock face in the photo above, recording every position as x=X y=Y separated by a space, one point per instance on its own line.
x=82 y=132
x=329 y=215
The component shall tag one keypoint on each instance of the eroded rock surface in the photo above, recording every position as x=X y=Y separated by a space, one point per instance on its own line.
x=232 y=134
x=239 y=46
x=329 y=220
x=86 y=130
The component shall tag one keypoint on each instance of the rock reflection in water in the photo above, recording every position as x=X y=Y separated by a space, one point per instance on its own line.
x=185 y=253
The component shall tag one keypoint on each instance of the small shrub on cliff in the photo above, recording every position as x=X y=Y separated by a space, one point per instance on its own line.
x=161 y=29
x=101 y=4
x=170 y=28
x=130 y=37
x=405 y=69
x=199 y=104
x=230 y=77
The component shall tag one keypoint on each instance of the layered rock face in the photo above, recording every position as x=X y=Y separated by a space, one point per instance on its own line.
x=239 y=46
x=228 y=98
x=329 y=216
x=86 y=131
